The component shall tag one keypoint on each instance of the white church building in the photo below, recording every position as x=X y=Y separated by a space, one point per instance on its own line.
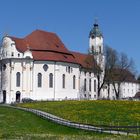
x=40 y=67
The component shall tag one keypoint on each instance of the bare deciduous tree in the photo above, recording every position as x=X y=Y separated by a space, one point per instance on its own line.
x=111 y=60
x=124 y=70
x=117 y=68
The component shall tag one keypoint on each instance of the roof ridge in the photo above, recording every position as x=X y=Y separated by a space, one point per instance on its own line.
x=13 y=37
x=39 y=30
x=78 y=53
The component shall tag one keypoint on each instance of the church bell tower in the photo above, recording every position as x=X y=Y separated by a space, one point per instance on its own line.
x=96 y=45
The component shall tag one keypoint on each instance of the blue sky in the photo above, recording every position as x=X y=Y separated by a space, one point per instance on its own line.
x=72 y=20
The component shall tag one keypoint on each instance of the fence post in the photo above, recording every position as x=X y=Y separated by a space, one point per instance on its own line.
x=110 y=128
x=128 y=130
x=137 y=128
x=118 y=128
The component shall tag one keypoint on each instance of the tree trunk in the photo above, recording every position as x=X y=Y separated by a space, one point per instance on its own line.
x=98 y=77
x=108 y=90
x=117 y=93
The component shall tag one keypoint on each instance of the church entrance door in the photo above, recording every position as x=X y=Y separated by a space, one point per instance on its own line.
x=18 y=96
x=4 y=96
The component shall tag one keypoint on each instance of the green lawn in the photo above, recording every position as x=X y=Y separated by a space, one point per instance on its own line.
x=93 y=112
x=17 y=124
x=21 y=125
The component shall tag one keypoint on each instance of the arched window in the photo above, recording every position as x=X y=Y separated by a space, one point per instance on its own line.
x=63 y=81
x=50 y=80
x=100 y=49
x=94 y=85
x=39 y=76
x=18 y=79
x=74 y=82
x=85 y=84
x=89 y=84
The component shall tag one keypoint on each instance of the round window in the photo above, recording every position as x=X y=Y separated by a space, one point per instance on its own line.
x=45 y=67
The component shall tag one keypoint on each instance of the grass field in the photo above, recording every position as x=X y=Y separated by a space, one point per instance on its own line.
x=93 y=112
x=17 y=124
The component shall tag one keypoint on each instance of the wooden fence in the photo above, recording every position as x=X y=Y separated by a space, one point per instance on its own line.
x=123 y=130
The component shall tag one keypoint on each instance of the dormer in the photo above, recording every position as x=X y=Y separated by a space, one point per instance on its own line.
x=28 y=54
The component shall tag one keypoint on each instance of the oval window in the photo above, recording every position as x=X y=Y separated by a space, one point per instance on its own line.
x=45 y=67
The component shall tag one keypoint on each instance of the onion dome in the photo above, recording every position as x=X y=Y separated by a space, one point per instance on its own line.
x=95 y=31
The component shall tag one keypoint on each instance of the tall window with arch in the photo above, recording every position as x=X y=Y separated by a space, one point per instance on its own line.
x=51 y=80
x=63 y=81
x=18 y=79
x=74 y=81
x=94 y=85
x=89 y=84
x=39 y=77
x=85 y=85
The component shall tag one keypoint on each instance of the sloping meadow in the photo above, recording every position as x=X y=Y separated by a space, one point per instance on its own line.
x=100 y=112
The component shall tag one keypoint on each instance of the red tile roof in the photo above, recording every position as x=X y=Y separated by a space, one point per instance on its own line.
x=85 y=60
x=53 y=56
x=48 y=46
x=123 y=75
x=40 y=40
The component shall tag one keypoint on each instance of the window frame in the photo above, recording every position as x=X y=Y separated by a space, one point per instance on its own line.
x=95 y=88
x=18 y=79
x=39 y=80
x=74 y=82
x=63 y=81
x=85 y=84
x=50 y=80
x=90 y=84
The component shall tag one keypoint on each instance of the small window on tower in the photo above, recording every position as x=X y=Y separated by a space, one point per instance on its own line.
x=18 y=55
x=100 y=49
x=92 y=48
x=92 y=36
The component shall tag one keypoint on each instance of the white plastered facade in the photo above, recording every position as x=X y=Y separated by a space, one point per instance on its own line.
x=13 y=62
